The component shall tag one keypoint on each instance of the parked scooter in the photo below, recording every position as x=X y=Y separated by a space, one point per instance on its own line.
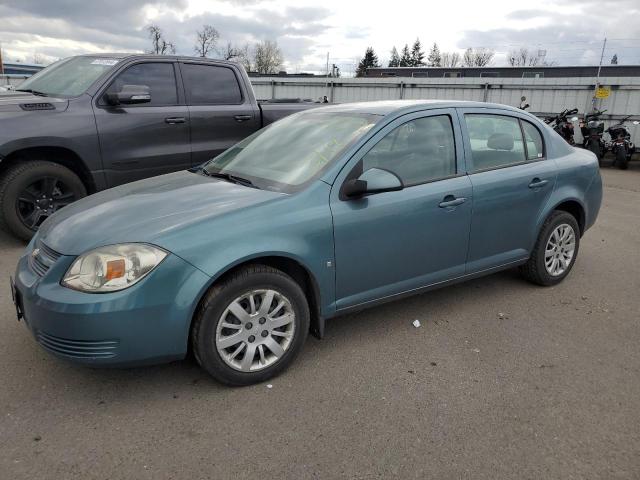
x=563 y=125
x=592 y=129
x=621 y=145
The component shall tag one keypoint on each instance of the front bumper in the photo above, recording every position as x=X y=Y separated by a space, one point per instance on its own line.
x=144 y=324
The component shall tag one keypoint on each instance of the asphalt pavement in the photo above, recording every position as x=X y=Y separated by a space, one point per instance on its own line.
x=502 y=380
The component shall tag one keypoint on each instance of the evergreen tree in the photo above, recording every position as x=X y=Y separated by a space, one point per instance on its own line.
x=395 y=58
x=417 y=55
x=434 y=59
x=370 y=60
x=614 y=59
x=405 y=58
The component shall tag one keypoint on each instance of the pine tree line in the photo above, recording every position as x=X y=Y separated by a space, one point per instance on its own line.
x=415 y=57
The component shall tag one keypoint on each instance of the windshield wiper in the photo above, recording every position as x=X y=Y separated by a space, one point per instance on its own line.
x=229 y=177
x=30 y=90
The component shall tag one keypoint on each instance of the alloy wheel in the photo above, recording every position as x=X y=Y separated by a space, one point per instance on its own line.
x=255 y=330
x=560 y=250
x=41 y=199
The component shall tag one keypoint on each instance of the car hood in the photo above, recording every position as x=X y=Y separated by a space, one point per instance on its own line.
x=13 y=101
x=146 y=210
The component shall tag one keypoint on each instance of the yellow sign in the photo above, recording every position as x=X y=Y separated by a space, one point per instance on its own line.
x=603 y=92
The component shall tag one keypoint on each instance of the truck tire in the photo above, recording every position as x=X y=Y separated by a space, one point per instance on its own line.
x=31 y=191
x=621 y=159
x=250 y=326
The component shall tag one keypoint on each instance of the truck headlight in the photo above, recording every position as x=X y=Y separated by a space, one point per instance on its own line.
x=113 y=267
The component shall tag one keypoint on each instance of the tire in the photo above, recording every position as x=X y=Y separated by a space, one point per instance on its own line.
x=535 y=270
x=621 y=159
x=595 y=148
x=21 y=180
x=211 y=339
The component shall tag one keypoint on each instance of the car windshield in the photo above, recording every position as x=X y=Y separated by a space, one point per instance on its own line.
x=68 y=78
x=293 y=151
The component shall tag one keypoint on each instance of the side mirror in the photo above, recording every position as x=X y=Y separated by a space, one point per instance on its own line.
x=374 y=180
x=130 y=95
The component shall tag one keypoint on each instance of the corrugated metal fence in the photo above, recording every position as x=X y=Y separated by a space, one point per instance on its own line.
x=545 y=95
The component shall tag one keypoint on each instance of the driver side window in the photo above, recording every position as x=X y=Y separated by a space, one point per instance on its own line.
x=159 y=77
x=419 y=151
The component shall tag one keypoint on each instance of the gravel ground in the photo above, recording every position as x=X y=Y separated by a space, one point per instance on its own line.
x=502 y=380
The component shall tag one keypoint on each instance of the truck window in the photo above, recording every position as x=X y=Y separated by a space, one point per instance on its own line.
x=210 y=85
x=159 y=77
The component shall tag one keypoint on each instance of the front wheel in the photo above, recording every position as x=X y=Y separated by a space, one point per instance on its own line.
x=595 y=148
x=31 y=191
x=621 y=158
x=555 y=250
x=251 y=326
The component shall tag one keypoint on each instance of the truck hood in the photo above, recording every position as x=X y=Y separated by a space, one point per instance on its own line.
x=13 y=101
x=146 y=210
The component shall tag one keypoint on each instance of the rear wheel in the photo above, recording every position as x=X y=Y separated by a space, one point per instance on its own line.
x=621 y=158
x=555 y=250
x=251 y=326
x=32 y=191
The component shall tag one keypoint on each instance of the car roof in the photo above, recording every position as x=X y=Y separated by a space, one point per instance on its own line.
x=387 y=107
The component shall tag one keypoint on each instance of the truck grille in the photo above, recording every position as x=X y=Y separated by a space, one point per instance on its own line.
x=42 y=258
x=81 y=349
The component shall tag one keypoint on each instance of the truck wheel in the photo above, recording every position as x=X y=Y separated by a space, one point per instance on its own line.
x=621 y=159
x=33 y=190
x=251 y=326
x=555 y=250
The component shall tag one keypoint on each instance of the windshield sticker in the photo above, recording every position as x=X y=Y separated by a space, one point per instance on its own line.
x=104 y=61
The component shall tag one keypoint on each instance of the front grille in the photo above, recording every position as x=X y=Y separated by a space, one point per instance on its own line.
x=44 y=259
x=80 y=349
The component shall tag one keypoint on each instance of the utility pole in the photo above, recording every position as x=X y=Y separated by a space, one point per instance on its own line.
x=327 y=79
x=1 y=64
x=604 y=44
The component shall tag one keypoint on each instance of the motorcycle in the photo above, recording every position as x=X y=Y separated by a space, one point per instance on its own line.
x=592 y=129
x=562 y=125
x=621 y=145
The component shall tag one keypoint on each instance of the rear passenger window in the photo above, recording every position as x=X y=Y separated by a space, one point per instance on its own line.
x=496 y=141
x=418 y=151
x=210 y=84
x=535 y=147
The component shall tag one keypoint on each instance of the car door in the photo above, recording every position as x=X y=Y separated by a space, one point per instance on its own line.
x=393 y=242
x=146 y=139
x=512 y=182
x=220 y=114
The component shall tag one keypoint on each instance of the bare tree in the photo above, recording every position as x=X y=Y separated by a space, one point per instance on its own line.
x=159 y=45
x=267 y=57
x=450 y=59
x=478 y=57
x=206 y=40
x=39 y=59
x=235 y=53
x=525 y=58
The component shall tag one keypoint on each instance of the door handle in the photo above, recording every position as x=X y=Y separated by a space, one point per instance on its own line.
x=243 y=118
x=537 y=183
x=174 y=120
x=451 y=201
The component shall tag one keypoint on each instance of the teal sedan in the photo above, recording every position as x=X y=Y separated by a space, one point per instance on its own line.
x=324 y=212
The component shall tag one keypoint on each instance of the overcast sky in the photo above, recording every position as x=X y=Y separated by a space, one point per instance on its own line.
x=571 y=31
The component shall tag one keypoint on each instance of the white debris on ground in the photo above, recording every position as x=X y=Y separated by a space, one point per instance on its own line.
x=476 y=350
x=269 y=386
x=416 y=323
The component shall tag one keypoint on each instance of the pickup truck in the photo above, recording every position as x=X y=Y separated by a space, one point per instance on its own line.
x=91 y=122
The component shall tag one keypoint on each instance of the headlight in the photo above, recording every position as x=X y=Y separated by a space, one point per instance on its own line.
x=112 y=268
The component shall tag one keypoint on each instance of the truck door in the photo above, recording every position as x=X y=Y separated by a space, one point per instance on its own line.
x=221 y=114
x=146 y=139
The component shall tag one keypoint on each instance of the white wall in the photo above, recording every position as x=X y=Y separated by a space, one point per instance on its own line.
x=545 y=95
